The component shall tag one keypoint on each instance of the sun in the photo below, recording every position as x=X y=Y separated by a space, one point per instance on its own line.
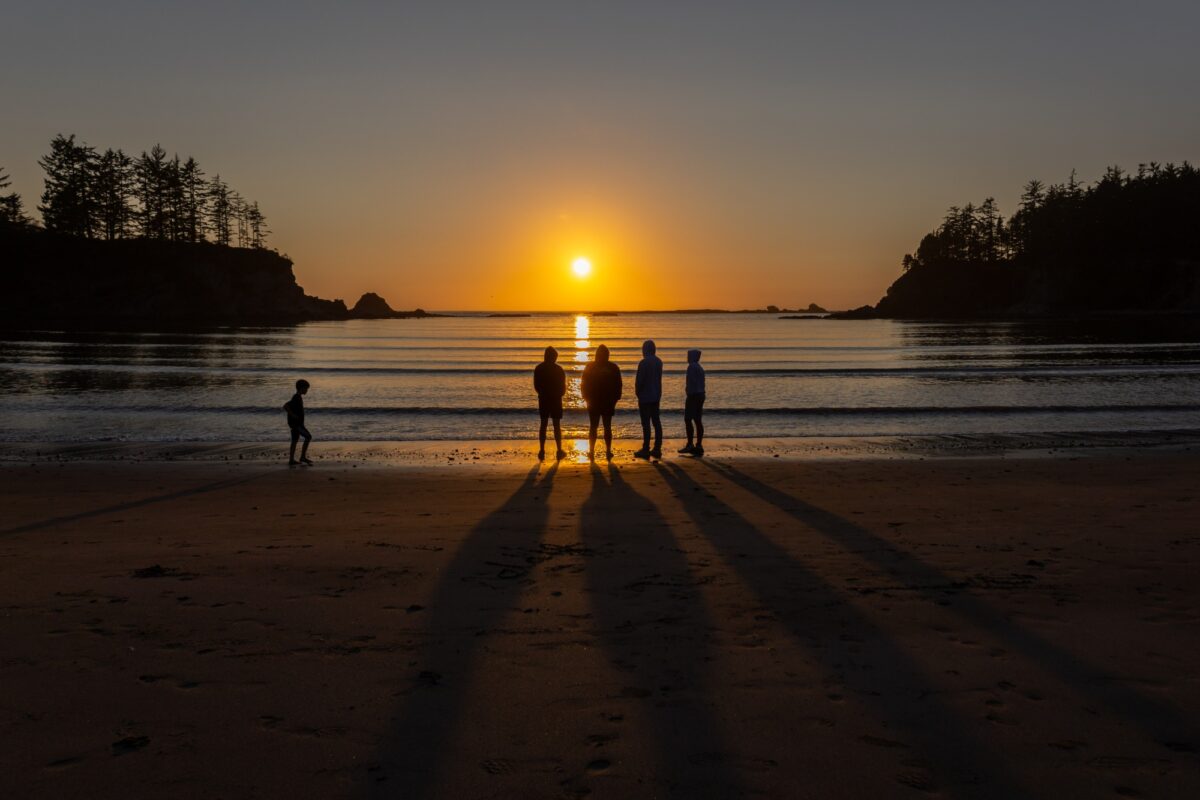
x=581 y=267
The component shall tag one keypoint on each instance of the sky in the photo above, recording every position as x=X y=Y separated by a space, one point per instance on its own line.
x=458 y=155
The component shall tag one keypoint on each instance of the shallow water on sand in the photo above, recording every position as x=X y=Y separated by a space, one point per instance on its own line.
x=470 y=377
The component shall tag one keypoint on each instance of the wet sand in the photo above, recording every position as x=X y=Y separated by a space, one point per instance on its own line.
x=985 y=627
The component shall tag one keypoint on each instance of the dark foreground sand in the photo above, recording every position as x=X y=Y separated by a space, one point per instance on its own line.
x=733 y=628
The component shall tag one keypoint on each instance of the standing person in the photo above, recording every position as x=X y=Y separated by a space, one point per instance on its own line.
x=550 y=383
x=295 y=421
x=601 y=390
x=648 y=386
x=693 y=404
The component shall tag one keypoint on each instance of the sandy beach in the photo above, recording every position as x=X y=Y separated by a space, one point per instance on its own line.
x=732 y=627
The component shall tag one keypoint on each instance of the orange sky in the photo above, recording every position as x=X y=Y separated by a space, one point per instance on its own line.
x=459 y=156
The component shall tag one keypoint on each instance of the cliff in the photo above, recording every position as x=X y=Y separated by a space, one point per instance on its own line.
x=50 y=279
x=1024 y=290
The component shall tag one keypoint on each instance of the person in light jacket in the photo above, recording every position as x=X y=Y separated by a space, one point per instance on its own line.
x=648 y=387
x=693 y=405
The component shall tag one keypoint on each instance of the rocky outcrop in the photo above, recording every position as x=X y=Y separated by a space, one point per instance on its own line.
x=372 y=306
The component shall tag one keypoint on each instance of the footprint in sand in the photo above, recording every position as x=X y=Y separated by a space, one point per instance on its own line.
x=129 y=744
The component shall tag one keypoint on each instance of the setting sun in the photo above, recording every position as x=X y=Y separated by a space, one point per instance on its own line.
x=581 y=267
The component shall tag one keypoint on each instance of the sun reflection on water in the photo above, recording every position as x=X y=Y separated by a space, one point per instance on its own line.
x=583 y=326
x=577 y=451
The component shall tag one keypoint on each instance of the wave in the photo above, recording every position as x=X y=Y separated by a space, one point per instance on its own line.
x=524 y=370
x=781 y=411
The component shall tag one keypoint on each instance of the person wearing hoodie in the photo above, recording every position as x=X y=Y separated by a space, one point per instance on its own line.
x=550 y=383
x=601 y=390
x=693 y=405
x=648 y=386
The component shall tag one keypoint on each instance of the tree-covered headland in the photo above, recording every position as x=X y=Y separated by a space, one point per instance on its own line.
x=1128 y=242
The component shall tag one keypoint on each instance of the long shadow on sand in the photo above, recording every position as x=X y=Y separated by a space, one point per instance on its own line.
x=654 y=626
x=411 y=757
x=1162 y=723
x=132 y=504
x=861 y=656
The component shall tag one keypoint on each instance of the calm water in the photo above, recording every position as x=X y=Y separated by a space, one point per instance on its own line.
x=470 y=378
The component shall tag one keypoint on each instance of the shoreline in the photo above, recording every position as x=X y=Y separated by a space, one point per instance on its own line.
x=450 y=452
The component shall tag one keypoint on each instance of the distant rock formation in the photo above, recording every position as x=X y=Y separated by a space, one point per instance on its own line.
x=862 y=312
x=372 y=306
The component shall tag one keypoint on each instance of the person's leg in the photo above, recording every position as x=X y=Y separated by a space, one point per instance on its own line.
x=292 y=452
x=558 y=451
x=542 y=437
x=608 y=435
x=689 y=427
x=699 y=415
x=304 y=448
x=656 y=418
x=593 y=424
x=644 y=414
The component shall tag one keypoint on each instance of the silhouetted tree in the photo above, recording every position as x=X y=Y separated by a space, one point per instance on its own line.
x=68 y=201
x=11 y=207
x=237 y=209
x=113 y=189
x=257 y=224
x=194 y=198
x=220 y=210
x=153 y=191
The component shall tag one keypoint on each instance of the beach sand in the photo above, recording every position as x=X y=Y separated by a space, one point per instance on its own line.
x=733 y=627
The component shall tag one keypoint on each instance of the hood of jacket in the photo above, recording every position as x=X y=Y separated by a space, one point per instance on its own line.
x=648 y=347
x=551 y=355
x=693 y=356
x=602 y=354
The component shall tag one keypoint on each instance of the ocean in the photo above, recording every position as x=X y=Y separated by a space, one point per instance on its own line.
x=469 y=377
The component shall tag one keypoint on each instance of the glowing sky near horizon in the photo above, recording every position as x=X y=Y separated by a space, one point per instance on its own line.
x=462 y=155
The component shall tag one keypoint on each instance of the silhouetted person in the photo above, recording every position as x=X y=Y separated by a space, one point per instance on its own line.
x=648 y=386
x=693 y=405
x=550 y=383
x=601 y=389
x=295 y=420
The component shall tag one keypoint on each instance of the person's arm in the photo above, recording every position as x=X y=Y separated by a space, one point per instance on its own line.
x=639 y=380
x=619 y=383
x=536 y=382
x=562 y=382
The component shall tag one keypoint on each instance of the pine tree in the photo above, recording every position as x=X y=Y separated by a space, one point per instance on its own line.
x=219 y=210
x=257 y=224
x=113 y=186
x=152 y=189
x=68 y=201
x=175 y=200
x=194 y=200
x=11 y=210
x=237 y=209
